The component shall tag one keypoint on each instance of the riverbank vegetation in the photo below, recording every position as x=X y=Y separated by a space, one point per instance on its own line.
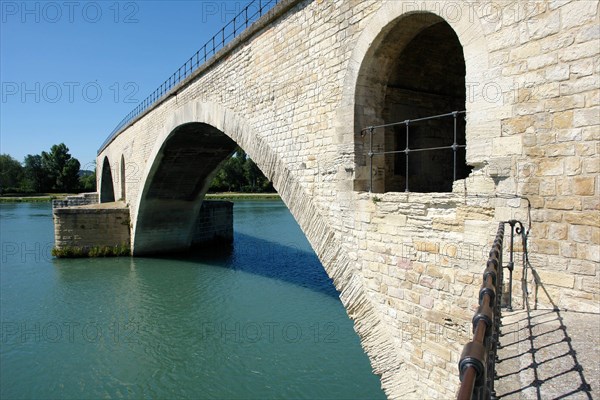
x=55 y=171
x=122 y=250
x=240 y=174
x=32 y=198
x=242 y=196
x=49 y=175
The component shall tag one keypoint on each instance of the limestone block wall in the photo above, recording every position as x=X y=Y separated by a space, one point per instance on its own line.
x=91 y=226
x=408 y=265
x=79 y=200
x=215 y=224
x=552 y=62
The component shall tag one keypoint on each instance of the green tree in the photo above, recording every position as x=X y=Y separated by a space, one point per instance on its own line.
x=231 y=175
x=235 y=171
x=36 y=177
x=63 y=170
x=11 y=174
x=87 y=182
x=256 y=180
x=239 y=173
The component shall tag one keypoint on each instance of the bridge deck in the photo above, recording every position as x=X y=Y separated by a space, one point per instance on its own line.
x=549 y=354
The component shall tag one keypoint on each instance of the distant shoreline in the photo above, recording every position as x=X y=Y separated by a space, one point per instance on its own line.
x=243 y=196
x=44 y=198
x=37 y=198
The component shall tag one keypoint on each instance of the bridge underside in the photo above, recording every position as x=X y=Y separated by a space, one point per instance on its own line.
x=178 y=181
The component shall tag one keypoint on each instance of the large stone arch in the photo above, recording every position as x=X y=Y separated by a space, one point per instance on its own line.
x=107 y=190
x=213 y=118
x=176 y=184
x=216 y=121
x=401 y=23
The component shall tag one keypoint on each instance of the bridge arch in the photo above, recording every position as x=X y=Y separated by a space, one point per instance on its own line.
x=178 y=180
x=107 y=190
x=224 y=128
x=410 y=64
x=187 y=153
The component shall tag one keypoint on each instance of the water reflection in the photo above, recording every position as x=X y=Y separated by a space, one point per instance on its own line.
x=290 y=263
x=260 y=321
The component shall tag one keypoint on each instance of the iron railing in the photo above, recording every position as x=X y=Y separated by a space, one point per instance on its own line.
x=249 y=14
x=407 y=150
x=478 y=360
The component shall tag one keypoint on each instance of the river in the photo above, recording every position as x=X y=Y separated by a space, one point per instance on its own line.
x=260 y=321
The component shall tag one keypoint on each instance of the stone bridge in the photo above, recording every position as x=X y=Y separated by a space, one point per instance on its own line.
x=296 y=91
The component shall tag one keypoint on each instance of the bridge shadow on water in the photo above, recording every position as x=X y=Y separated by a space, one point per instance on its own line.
x=289 y=263
x=548 y=353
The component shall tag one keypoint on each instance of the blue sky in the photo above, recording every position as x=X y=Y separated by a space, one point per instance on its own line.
x=71 y=70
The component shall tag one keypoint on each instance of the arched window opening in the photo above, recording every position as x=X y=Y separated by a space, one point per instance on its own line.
x=416 y=83
x=107 y=191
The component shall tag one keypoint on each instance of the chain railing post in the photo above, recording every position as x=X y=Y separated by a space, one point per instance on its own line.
x=480 y=354
x=482 y=359
x=495 y=337
x=511 y=263
x=520 y=230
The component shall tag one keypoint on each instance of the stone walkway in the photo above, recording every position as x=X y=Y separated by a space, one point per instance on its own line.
x=549 y=354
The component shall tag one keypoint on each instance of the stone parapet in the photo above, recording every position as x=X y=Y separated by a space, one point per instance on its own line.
x=82 y=199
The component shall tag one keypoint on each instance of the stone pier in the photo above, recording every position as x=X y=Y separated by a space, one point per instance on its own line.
x=214 y=225
x=99 y=225
x=82 y=228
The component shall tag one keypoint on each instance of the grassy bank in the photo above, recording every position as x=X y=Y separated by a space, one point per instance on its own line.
x=242 y=196
x=34 y=198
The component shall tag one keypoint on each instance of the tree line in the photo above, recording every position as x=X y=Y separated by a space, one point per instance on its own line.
x=55 y=171
x=240 y=174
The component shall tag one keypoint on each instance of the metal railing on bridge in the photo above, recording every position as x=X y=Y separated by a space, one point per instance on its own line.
x=478 y=359
x=247 y=16
x=407 y=150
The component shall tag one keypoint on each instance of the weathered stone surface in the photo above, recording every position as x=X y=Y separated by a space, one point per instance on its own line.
x=92 y=225
x=79 y=200
x=215 y=224
x=584 y=186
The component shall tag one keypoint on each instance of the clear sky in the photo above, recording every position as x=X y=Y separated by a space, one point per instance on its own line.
x=71 y=70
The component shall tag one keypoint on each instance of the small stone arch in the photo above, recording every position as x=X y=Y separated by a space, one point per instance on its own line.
x=224 y=128
x=107 y=191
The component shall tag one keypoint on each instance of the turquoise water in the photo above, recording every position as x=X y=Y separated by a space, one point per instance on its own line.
x=260 y=321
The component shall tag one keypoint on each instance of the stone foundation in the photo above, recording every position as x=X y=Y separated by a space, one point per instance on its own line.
x=89 y=226
x=214 y=225
x=107 y=224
